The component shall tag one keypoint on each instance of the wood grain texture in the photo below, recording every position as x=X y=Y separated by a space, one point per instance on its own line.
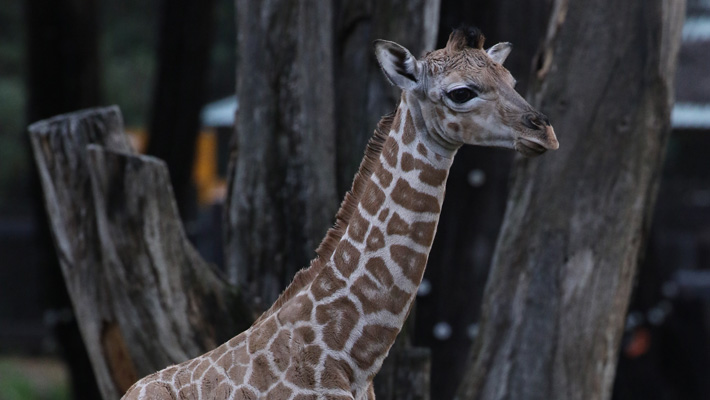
x=576 y=219
x=143 y=297
x=281 y=198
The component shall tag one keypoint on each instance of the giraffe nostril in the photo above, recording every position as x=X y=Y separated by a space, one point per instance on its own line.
x=536 y=121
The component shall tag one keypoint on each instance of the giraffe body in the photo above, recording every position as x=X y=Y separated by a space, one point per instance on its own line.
x=327 y=335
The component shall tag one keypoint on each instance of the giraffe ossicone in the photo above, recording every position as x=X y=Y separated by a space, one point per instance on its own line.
x=328 y=333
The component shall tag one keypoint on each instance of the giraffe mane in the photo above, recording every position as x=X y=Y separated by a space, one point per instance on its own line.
x=342 y=217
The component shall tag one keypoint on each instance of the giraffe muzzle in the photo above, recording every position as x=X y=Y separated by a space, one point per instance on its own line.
x=535 y=145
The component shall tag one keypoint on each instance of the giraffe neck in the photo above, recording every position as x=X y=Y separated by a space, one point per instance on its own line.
x=329 y=335
x=365 y=291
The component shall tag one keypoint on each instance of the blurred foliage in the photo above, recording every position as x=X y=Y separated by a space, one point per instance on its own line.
x=128 y=61
x=13 y=154
x=20 y=384
x=222 y=76
x=127 y=50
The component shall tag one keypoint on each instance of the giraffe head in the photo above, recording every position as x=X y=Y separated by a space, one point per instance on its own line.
x=466 y=96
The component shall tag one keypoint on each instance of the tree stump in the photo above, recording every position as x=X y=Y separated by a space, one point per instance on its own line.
x=143 y=297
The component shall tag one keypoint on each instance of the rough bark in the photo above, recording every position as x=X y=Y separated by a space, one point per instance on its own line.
x=557 y=294
x=183 y=56
x=281 y=198
x=142 y=296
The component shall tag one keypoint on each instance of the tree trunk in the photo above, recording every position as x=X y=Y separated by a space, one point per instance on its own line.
x=281 y=198
x=183 y=59
x=142 y=296
x=557 y=294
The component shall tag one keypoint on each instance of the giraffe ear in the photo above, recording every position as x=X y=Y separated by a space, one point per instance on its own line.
x=499 y=52
x=398 y=64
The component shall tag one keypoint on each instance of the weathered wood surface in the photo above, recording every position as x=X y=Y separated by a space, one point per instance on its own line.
x=281 y=195
x=562 y=273
x=142 y=296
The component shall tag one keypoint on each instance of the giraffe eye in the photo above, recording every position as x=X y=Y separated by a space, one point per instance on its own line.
x=461 y=95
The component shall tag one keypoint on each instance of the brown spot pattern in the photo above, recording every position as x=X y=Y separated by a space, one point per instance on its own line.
x=261 y=334
x=414 y=200
x=306 y=334
x=280 y=350
x=373 y=198
x=411 y=262
x=390 y=151
x=376 y=240
x=421 y=149
x=237 y=372
x=440 y=113
x=237 y=340
x=423 y=232
x=223 y=391
x=375 y=340
x=241 y=356
x=430 y=175
x=261 y=375
x=336 y=375
x=377 y=267
x=326 y=283
x=338 y=319
x=188 y=393
x=397 y=120
x=209 y=382
x=420 y=232
x=302 y=375
x=384 y=176
x=297 y=309
x=201 y=368
x=397 y=226
x=155 y=391
x=408 y=134
x=167 y=374
x=306 y=397
x=407 y=162
x=244 y=394
x=357 y=228
x=279 y=392
x=346 y=258
x=302 y=372
x=375 y=298
x=383 y=214
x=215 y=354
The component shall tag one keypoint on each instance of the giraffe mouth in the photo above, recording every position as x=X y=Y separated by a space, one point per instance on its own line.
x=528 y=148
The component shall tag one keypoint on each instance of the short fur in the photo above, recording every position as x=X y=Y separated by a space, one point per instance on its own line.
x=342 y=218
